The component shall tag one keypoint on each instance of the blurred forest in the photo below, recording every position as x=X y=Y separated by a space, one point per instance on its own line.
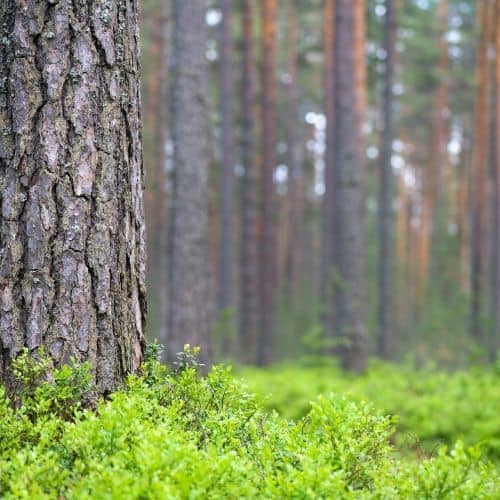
x=339 y=191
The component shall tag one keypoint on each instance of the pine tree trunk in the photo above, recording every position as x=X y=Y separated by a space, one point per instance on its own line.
x=189 y=253
x=267 y=248
x=155 y=201
x=294 y=167
x=495 y=254
x=348 y=198
x=463 y=219
x=434 y=205
x=72 y=253
x=360 y=80
x=326 y=273
x=385 y=214
x=479 y=175
x=226 y=102
x=249 y=243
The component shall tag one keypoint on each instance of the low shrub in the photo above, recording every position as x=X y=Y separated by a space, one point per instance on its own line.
x=176 y=434
x=433 y=407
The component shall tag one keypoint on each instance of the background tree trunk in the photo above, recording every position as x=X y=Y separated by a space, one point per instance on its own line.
x=155 y=200
x=495 y=264
x=433 y=204
x=293 y=160
x=479 y=175
x=72 y=253
x=267 y=248
x=227 y=282
x=385 y=213
x=249 y=315
x=190 y=304
x=348 y=198
x=326 y=278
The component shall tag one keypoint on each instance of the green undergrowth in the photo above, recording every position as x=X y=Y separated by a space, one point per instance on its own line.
x=433 y=407
x=176 y=434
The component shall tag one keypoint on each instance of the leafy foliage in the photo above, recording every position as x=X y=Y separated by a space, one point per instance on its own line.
x=434 y=407
x=176 y=434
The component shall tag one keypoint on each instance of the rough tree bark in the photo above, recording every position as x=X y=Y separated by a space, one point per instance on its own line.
x=479 y=167
x=267 y=244
x=385 y=214
x=249 y=242
x=72 y=253
x=189 y=285
x=348 y=198
x=227 y=282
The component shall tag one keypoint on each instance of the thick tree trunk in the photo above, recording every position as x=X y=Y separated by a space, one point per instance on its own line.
x=326 y=277
x=385 y=214
x=267 y=250
x=249 y=243
x=72 y=253
x=190 y=299
x=348 y=199
x=227 y=282
x=479 y=175
x=495 y=253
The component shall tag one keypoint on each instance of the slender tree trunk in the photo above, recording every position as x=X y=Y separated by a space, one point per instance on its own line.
x=385 y=223
x=190 y=299
x=294 y=167
x=433 y=206
x=495 y=252
x=326 y=277
x=479 y=175
x=249 y=243
x=402 y=230
x=462 y=219
x=249 y=312
x=227 y=282
x=348 y=198
x=72 y=253
x=268 y=257
x=155 y=200
x=360 y=80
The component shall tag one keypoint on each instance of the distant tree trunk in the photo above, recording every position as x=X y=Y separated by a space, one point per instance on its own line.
x=348 y=198
x=155 y=200
x=479 y=176
x=294 y=167
x=249 y=242
x=360 y=66
x=326 y=275
x=462 y=219
x=401 y=302
x=227 y=206
x=386 y=219
x=433 y=205
x=190 y=299
x=267 y=251
x=495 y=264
x=72 y=252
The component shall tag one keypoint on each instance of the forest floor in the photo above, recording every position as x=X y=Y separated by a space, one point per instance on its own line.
x=433 y=407
x=178 y=434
